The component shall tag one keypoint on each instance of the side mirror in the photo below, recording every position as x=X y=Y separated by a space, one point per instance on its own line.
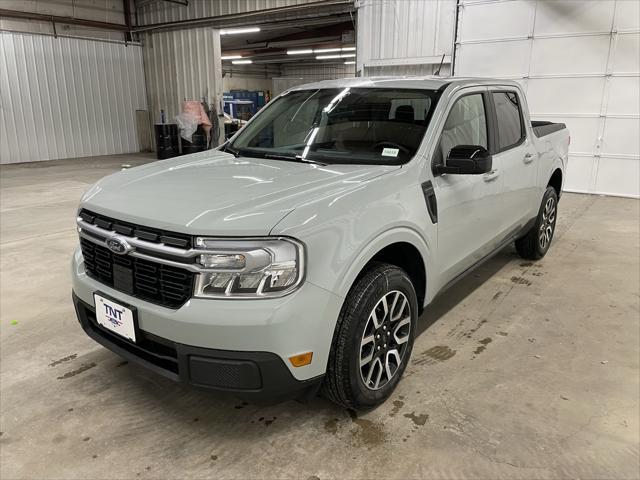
x=466 y=160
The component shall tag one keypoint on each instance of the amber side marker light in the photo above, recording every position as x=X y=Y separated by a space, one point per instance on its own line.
x=301 y=360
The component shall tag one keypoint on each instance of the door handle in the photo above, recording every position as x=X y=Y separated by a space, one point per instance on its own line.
x=491 y=176
x=528 y=158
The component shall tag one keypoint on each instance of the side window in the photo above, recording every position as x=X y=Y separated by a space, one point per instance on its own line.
x=465 y=125
x=508 y=111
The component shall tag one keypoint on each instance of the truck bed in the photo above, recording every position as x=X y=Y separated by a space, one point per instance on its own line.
x=542 y=129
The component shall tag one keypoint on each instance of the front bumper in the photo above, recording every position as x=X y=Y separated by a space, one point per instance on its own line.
x=255 y=376
x=237 y=345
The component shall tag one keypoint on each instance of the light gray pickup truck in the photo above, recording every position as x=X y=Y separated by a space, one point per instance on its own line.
x=299 y=255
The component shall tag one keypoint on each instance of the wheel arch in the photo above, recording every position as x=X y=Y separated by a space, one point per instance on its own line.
x=403 y=248
x=555 y=181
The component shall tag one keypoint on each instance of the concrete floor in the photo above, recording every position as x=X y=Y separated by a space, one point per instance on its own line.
x=521 y=371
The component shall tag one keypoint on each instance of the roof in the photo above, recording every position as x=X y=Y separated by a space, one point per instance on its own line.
x=420 y=82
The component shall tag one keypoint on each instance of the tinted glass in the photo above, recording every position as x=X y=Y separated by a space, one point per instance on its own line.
x=351 y=125
x=509 y=124
x=466 y=125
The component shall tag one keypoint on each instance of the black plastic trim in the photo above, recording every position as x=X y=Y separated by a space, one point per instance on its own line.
x=259 y=377
x=541 y=129
x=492 y=124
x=431 y=200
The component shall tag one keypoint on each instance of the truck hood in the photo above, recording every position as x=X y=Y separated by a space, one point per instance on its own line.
x=214 y=193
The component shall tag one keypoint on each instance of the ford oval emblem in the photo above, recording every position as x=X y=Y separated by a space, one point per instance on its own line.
x=118 y=245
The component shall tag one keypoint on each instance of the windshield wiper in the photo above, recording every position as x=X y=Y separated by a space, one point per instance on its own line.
x=292 y=158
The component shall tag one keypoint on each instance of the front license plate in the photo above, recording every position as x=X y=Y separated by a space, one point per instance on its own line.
x=115 y=317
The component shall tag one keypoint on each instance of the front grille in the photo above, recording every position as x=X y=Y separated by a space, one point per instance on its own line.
x=154 y=235
x=154 y=282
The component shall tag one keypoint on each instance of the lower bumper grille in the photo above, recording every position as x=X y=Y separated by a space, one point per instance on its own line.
x=156 y=283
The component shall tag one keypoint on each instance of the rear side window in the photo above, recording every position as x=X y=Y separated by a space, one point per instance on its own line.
x=510 y=125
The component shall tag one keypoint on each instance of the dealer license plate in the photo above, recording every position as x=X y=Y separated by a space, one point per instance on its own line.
x=115 y=317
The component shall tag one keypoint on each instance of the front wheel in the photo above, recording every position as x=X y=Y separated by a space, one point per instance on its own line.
x=373 y=339
x=535 y=244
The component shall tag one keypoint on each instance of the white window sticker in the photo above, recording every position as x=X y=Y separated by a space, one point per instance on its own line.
x=390 y=152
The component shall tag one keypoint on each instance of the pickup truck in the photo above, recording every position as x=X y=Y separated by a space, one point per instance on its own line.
x=297 y=257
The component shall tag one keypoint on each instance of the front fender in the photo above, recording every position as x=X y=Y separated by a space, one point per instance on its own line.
x=389 y=237
x=343 y=232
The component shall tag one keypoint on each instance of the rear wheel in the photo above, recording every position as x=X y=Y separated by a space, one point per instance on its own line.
x=373 y=339
x=535 y=244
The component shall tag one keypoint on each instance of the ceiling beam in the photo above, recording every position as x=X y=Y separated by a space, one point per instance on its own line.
x=259 y=17
x=4 y=13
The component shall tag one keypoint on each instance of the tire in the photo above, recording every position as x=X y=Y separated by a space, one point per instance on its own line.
x=377 y=323
x=535 y=244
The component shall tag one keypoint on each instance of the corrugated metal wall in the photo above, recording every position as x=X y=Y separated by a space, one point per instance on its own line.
x=320 y=71
x=179 y=65
x=579 y=63
x=293 y=75
x=157 y=12
x=410 y=70
x=111 y=11
x=404 y=37
x=64 y=97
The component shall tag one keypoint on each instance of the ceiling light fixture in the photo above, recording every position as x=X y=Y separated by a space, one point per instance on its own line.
x=328 y=57
x=348 y=49
x=327 y=50
x=349 y=63
x=230 y=57
x=234 y=31
x=299 y=52
x=241 y=62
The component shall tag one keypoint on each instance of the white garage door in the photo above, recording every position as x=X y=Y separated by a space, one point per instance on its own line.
x=579 y=62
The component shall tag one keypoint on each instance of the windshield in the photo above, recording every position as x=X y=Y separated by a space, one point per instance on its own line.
x=381 y=126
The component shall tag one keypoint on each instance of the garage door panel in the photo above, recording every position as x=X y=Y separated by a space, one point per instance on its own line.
x=618 y=176
x=577 y=55
x=621 y=136
x=587 y=16
x=495 y=60
x=579 y=173
x=624 y=96
x=580 y=65
x=583 y=131
x=626 y=58
x=628 y=15
x=482 y=21
x=564 y=95
x=524 y=83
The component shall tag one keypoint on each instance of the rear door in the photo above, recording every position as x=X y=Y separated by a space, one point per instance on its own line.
x=469 y=206
x=518 y=157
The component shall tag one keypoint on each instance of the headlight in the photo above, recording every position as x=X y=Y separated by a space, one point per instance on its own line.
x=249 y=268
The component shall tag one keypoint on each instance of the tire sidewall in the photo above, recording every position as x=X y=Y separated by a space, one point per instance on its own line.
x=388 y=280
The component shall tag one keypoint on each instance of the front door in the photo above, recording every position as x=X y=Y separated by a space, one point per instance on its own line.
x=469 y=206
